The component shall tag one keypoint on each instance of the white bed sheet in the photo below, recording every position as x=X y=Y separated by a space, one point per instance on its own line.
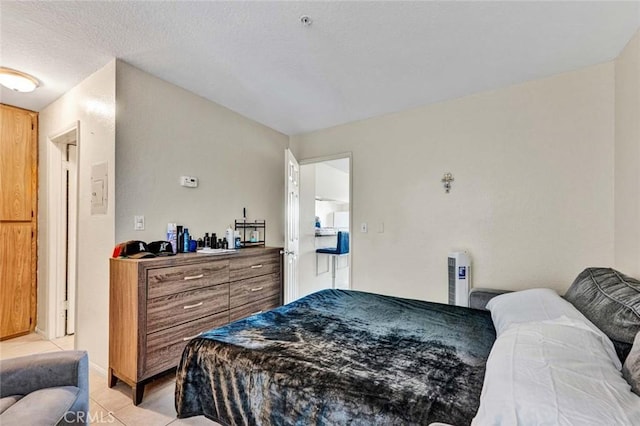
x=555 y=372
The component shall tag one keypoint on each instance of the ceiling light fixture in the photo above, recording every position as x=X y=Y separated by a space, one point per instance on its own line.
x=17 y=80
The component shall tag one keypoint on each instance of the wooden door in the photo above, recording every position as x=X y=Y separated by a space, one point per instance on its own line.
x=15 y=293
x=18 y=202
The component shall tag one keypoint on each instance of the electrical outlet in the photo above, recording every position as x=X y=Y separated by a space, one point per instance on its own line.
x=364 y=227
x=138 y=223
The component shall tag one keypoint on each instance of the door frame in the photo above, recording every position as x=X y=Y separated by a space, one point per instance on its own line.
x=56 y=255
x=348 y=155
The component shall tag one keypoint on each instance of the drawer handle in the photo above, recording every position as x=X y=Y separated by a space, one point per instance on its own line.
x=255 y=313
x=257 y=289
x=193 y=277
x=184 y=339
x=192 y=306
x=256 y=266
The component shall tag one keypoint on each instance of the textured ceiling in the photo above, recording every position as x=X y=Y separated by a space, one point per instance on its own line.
x=357 y=59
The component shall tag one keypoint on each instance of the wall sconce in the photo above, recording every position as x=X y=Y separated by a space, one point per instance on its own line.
x=447 y=179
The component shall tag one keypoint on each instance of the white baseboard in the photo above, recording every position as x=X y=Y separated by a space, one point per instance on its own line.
x=98 y=369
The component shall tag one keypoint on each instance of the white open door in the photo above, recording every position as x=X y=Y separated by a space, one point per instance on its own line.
x=292 y=226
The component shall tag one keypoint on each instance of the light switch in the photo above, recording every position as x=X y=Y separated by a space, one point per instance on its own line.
x=97 y=193
x=364 y=227
x=138 y=223
x=380 y=227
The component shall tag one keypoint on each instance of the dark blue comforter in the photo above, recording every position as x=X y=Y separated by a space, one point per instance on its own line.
x=340 y=357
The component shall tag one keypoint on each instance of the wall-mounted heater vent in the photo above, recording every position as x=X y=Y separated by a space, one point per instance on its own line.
x=459 y=278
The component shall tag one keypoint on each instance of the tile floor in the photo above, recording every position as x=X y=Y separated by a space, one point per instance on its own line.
x=112 y=406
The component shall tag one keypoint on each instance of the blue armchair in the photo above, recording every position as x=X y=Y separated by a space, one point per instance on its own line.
x=45 y=389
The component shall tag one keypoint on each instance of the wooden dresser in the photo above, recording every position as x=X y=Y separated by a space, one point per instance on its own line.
x=157 y=305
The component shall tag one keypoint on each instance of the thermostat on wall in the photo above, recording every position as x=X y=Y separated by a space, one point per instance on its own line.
x=189 y=181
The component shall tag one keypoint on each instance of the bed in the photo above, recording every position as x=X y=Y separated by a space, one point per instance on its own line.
x=336 y=357
x=346 y=357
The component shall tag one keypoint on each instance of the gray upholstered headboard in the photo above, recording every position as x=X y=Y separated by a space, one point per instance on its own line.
x=479 y=297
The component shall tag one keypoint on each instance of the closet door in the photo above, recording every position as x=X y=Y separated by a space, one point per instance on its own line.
x=18 y=198
x=17 y=278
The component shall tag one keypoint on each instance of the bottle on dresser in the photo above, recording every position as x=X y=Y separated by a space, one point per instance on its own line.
x=185 y=238
x=230 y=238
x=180 y=236
x=172 y=236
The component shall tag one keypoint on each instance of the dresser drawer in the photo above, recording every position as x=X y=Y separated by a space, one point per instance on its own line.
x=254 y=308
x=175 y=279
x=165 y=347
x=167 y=311
x=248 y=267
x=253 y=290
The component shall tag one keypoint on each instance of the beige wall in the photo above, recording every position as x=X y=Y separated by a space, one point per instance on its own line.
x=532 y=199
x=164 y=132
x=627 y=158
x=92 y=103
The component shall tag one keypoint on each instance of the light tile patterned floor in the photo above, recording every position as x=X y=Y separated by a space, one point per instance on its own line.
x=112 y=406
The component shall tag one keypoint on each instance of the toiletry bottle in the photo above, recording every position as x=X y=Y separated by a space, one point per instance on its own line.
x=180 y=234
x=207 y=240
x=229 y=237
x=214 y=240
x=172 y=236
x=238 y=243
x=185 y=238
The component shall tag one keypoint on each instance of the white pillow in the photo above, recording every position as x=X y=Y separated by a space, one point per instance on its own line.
x=557 y=373
x=540 y=304
x=537 y=304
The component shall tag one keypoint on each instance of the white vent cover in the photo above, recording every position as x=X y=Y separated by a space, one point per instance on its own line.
x=459 y=278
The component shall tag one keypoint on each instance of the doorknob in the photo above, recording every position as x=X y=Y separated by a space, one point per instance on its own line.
x=287 y=252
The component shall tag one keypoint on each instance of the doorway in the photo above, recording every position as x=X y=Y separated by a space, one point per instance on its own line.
x=325 y=213
x=63 y=213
